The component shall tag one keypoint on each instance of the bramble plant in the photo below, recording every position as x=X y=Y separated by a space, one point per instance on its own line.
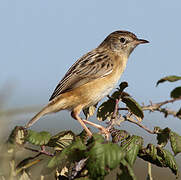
x=67 y=155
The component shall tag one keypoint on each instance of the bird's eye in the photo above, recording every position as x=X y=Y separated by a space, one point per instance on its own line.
x=123 y=40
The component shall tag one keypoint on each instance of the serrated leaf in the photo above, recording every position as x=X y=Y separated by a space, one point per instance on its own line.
x=131 y=146
x=103 y=157
x=163 y=136
x=38 y=138
x=61 y=140
x=105 y=110
x=168 y=78
x=159 y=156
x=150 y=154
x=133 y=106
x=169 y=160
x=175 y=140
x=96 y=138
x=127 y=172
x=176 y=93
x=89 y=111
x=119 y=135
x=70 y=153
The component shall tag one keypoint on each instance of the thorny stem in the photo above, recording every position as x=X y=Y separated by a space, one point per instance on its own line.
x=152 y=107
x=128 y=118
x=40 y=152
x=157 y=107
x=114 y=116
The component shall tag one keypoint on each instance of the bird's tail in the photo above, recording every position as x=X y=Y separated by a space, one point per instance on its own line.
x=44 y=111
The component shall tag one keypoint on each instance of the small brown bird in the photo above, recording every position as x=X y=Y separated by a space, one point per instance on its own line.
x=91 y=78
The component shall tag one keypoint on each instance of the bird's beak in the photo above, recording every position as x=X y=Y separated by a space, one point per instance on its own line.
x=141 y=41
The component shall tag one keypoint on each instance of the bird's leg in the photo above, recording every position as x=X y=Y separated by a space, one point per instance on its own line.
x=101 y=128
x=75 y=115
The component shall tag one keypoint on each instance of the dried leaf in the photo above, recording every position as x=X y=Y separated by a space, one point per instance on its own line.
x=163 y=136
x=61 y=140
x=119 y=135
x=89 y=111
x=105 y=110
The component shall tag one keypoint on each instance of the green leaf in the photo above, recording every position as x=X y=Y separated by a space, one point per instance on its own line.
x=105 y=110
x=163 y=136
x=119 y=135
x=89 y=111
x=131 y=146
x=38 y=138
x=169 y=78
x=127 y=172
x=103 y=157
x=61 y=140
x=150 y=154
x=134 y=107
x=176 y=93
x=159 y=156
x=169 y=160
x=175 y=140
x=70 y=153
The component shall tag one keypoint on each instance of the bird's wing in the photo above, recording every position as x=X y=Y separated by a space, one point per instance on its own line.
x=93 y=65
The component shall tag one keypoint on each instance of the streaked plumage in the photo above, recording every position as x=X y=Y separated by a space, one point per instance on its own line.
x=92 y=77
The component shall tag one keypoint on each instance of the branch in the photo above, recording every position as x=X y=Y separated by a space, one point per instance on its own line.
x=42 y=151
x=157 y=107
x=130 y=119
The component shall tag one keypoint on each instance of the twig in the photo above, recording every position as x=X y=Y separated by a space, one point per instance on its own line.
x=149 y=177
x=157 y=107
x=40 y=152
x=128 y=118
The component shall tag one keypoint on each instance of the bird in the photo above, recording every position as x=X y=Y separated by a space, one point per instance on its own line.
x=91 y=78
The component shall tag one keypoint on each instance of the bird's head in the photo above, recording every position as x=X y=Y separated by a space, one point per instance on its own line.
x=122 y=42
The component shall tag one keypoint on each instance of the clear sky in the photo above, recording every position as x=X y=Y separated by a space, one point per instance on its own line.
x=40 y=40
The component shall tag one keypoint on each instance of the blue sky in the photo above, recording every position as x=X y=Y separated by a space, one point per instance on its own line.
x=40 y=40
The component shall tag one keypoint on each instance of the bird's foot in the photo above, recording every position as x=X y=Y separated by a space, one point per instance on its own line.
x=105 y=131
